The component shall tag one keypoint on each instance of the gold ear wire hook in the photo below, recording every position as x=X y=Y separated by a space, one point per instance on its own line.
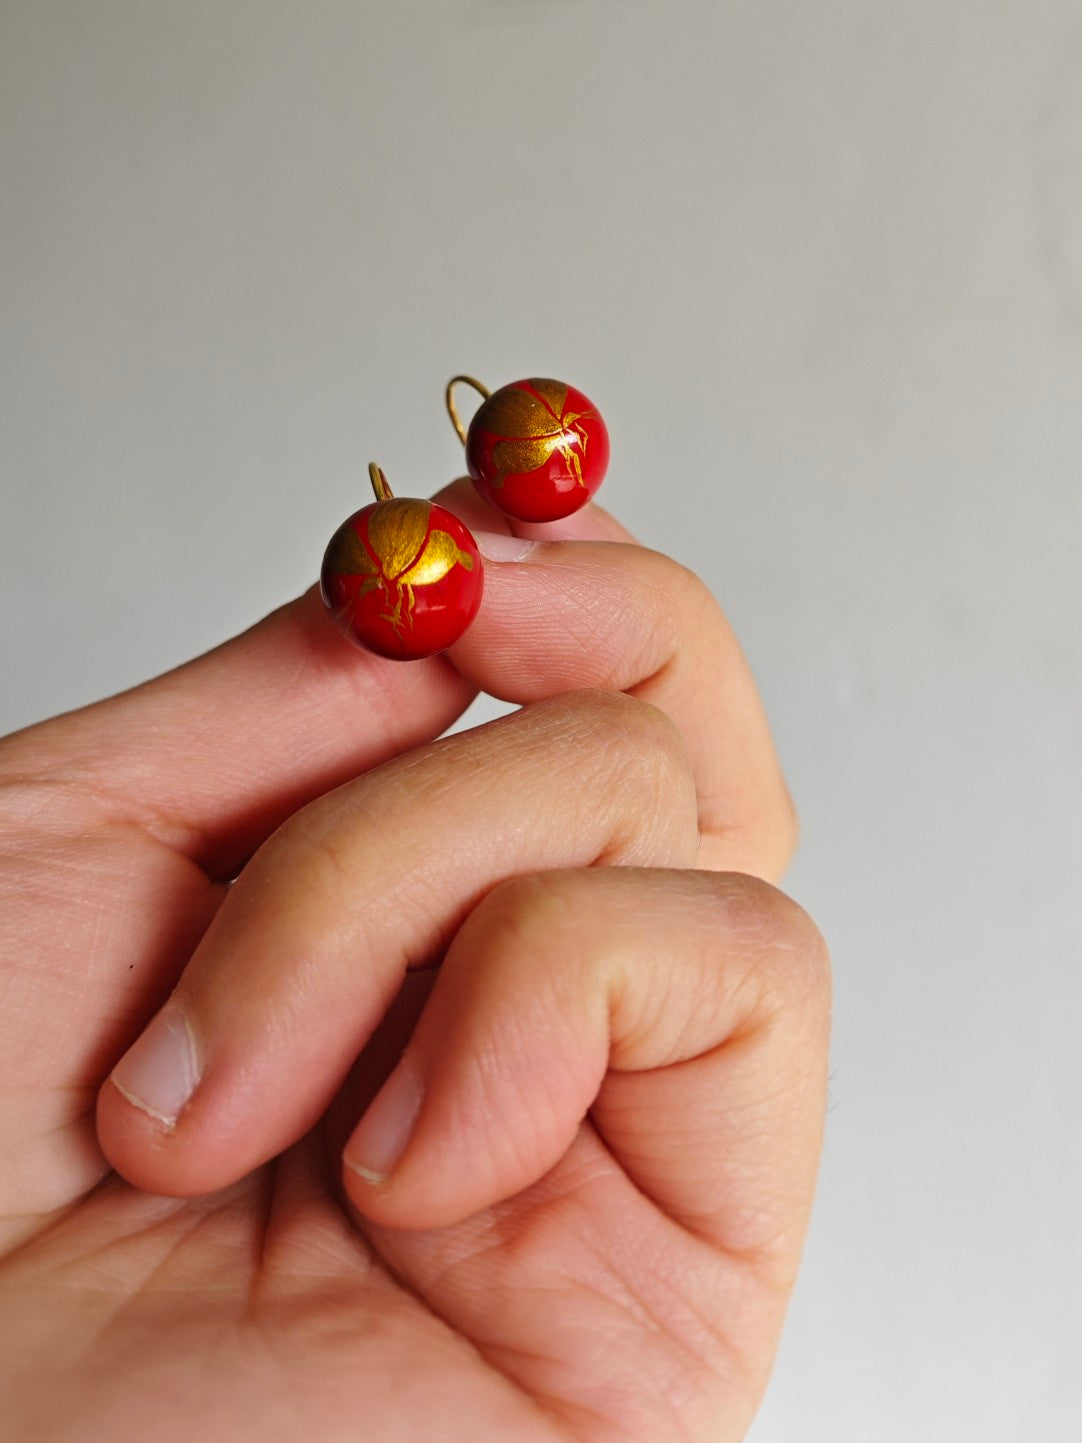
x=452 y=411
x=379 y=482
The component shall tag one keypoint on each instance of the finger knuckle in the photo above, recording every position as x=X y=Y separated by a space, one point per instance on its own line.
x=526 y=909
x=785 y=830
x=794 y=961
x=806 y=945
x=639 y=729
x=647 y=772
x=679 y=590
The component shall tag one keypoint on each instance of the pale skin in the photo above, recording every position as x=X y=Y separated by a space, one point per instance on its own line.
x=575 y=1211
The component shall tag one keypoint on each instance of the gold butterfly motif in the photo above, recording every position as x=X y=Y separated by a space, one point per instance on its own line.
x=398 y=557
x=532 y=425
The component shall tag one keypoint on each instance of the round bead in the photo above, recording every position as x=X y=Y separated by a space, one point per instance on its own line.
x=402 y=578
x=538 y=449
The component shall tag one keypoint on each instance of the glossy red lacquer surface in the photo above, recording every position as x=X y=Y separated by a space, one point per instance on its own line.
x=402 y=578
x=537 y=449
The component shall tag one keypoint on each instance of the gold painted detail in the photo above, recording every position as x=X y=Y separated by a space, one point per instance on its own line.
x=401 y=554
x=347 y=556
x=532 y=425
x=436 y=560
x=396 y=534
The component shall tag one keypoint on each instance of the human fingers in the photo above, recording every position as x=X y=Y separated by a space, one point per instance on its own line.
x=210 y=757
x=587 y=611
x=685 y=1012
x=312 y=942
x=637 y=1287
x=591 y=523
x=139 y=797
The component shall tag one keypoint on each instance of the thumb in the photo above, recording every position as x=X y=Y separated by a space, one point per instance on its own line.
x=686 y=1012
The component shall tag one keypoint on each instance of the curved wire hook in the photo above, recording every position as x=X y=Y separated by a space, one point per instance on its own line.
x=452 y=410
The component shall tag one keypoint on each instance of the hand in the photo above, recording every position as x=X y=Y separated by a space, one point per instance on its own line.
x=575 y=1209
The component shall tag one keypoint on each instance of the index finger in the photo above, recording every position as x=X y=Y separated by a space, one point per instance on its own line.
x=211 y=757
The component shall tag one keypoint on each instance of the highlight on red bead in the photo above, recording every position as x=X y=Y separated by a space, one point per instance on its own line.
x=402 y=577
x=537 y=450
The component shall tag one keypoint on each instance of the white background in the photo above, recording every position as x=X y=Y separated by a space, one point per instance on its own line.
x=820 y=264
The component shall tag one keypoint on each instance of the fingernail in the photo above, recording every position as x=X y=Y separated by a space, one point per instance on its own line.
x=495 y=546
x=384 y=1130
x=160 y=1071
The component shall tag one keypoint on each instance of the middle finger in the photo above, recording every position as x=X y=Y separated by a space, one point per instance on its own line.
x=310 y=946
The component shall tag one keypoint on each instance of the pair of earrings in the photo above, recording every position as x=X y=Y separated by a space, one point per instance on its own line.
x=403 y=577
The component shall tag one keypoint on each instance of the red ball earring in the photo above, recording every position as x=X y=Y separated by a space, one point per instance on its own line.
x=537 y=450
x=401 y=577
